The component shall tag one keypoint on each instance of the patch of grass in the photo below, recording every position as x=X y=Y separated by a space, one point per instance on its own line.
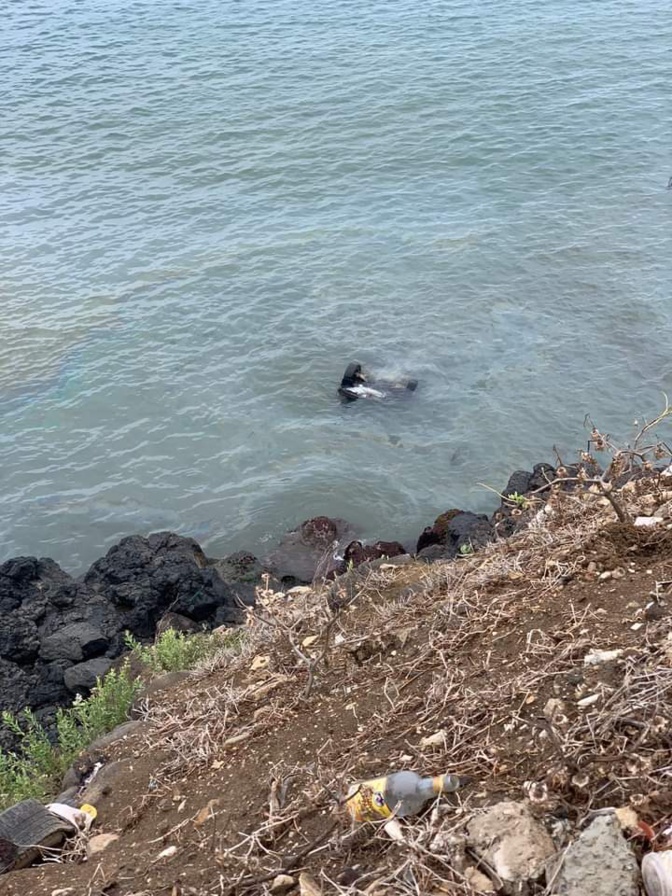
x=175 y=651
x=36 y=767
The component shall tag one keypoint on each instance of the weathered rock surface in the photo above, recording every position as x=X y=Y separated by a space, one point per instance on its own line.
x=146 y=577
x=117 y=734
x=452 y=531
x=82 y=677
x=599 y=863
x=512 y=841
x=303 y=550
x=357 y=553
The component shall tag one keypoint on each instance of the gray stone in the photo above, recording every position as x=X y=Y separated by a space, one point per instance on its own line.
x=512 y=841
x=599 y=863
x=117 y=734
x=75 y=642
x=105 y=781
x=19 y=640
x=72 y=778
x=69 y=797
x=83 y=676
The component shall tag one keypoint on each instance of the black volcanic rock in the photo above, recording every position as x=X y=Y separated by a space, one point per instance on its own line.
x=82 y=677
x=58 y=635
x=19 y=638
x=453 y=530
x=77 y=641
x=26 y=579
x=147 y=577
x=357 y=553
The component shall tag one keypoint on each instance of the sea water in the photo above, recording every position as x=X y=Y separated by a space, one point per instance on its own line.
x=209 y=208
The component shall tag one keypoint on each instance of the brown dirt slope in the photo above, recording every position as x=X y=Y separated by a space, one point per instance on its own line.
x=240 y=775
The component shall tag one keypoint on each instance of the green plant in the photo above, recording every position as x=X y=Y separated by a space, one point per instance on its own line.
x=517 y=499
x=35 y=768
x=174 y=651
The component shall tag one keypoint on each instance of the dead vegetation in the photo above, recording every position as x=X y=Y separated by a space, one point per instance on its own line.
x=481 y=667
x=476 y=666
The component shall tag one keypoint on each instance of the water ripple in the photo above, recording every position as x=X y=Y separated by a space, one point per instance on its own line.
x=210 y=209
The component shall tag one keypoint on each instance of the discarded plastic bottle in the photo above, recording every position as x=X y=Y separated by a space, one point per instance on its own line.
x=657 y=873
x=402 y=793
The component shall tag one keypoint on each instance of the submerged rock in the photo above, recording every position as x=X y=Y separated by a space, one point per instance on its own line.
x=304 y=549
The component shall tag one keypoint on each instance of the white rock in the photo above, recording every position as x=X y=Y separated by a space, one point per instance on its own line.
x=433 y=740
x=281 y=883
x=99 y=843
x=599 y=863
x=647 y=521
x=512 y=841
x=588 y=701
x=596 y=657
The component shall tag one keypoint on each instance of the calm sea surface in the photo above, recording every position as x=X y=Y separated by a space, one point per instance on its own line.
x=210 y=207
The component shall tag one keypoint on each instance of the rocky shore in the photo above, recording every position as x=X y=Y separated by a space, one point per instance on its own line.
x=528 y=652
x=59 y=634
x=536 y=665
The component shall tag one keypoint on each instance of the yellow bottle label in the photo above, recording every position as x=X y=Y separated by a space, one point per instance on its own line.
x=366 y=801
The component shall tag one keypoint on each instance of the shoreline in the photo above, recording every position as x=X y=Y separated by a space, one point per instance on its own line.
x=60 y=633
x=459 y=666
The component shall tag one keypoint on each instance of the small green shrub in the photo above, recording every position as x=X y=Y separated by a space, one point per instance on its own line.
x=35 y=769
x=37 y=766
x=175 y=651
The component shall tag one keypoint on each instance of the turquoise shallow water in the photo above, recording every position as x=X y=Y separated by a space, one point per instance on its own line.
x=210 y=207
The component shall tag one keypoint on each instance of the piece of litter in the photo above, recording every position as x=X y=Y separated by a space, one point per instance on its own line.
x=434 y=740
x=588 y=701
x=167 y=853
x=393 y=830
x=595 y=657
x=646 y=521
